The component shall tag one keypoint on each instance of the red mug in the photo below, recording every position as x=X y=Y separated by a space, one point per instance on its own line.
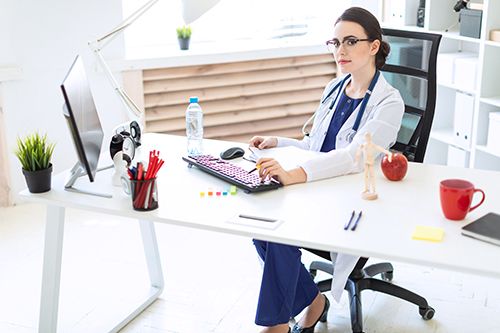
x=456 y=198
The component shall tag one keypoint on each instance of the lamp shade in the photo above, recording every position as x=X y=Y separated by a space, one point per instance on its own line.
x=193 y=9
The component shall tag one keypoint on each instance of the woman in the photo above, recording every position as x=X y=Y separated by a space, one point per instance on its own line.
x=338 y=130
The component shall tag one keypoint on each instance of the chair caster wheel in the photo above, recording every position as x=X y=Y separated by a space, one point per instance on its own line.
x=387 y=276
x=427 y=313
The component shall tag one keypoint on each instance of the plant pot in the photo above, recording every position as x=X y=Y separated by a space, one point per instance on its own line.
x=38 y=181
x=184 y=43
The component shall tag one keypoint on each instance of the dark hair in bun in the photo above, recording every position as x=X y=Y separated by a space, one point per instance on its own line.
x=372 y=28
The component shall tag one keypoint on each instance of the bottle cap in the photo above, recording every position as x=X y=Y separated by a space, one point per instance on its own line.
x=193 y=99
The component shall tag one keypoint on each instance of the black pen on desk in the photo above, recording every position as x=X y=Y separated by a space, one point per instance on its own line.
x=258 y=218
x=257 y=167
x=357 y=220
x=346 y=226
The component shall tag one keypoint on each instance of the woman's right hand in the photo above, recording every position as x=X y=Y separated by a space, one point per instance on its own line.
x=263 y=142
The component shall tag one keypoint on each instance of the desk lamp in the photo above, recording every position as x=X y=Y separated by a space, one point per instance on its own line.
x=461 y=4
x=191 y=10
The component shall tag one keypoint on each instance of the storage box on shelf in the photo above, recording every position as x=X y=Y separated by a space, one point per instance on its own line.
x=495 y=35
x=457 y=157
x=470 y=22
x=494 y=133
x=455 y=68
x=466 y=73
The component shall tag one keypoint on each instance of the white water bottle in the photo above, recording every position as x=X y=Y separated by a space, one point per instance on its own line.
x=194 y=127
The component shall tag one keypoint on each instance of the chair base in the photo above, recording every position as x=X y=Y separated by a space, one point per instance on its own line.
x=361 y=279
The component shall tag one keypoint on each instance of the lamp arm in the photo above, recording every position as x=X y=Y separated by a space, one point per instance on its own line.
x=97 y=45
x=124 y=97
x=108 y=37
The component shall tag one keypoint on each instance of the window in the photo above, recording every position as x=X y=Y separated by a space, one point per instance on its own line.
x=235 y=20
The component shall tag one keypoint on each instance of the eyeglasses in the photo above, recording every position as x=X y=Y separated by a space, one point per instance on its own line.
x=349 y=42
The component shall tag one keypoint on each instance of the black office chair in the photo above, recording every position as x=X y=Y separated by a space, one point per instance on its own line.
x=411 y=68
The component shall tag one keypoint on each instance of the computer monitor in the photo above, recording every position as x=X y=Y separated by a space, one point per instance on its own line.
x=83 y=121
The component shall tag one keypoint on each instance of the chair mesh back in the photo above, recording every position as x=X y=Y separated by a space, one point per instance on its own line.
x=411 y=68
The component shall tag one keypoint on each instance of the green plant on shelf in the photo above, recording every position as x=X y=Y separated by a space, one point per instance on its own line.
x=184 y=32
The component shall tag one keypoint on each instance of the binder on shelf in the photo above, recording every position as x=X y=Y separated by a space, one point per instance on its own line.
x=400 y=12
x=462 y=120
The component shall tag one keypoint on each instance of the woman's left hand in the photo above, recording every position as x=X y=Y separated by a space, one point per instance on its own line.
x=269 y=167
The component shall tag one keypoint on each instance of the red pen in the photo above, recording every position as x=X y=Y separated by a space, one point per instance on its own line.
x=148 y=171
x=140 y=170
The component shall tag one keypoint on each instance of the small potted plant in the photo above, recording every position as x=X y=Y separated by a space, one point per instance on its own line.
x=184 y=35
x=34 y=153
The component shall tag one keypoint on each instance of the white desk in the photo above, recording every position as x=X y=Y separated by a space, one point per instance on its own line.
x=384 y=231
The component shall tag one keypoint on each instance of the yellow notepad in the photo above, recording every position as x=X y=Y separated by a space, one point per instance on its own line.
x=432 y=234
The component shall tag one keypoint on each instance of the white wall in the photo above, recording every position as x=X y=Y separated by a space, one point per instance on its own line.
x=44 y=38
x=374 y=6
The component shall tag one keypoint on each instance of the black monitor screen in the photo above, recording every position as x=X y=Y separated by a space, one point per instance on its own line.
x=81 y=115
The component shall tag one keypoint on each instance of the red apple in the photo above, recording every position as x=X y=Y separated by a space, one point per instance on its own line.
x=396 y=169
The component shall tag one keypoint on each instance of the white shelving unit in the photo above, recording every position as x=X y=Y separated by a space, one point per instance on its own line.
x=485 y=91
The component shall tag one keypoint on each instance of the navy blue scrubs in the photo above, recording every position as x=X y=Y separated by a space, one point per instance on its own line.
x=287 y=287
x=345 y=107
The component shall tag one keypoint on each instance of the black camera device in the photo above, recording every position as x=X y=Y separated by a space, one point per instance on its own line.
x=127 y=138
x=461 y=4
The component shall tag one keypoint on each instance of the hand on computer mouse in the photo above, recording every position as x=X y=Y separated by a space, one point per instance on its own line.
x=263 y=142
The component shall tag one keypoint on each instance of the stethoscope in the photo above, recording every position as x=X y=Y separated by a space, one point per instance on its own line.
x=357 y=122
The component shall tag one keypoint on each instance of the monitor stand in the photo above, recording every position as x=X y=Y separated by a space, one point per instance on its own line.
x=78 y=171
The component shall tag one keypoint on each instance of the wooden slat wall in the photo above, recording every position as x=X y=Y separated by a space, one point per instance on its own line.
x=239 y=99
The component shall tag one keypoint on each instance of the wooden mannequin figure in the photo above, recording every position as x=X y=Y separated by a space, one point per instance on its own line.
x=369 y=150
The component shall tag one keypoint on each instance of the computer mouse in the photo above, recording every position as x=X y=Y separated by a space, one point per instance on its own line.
x=232 y=152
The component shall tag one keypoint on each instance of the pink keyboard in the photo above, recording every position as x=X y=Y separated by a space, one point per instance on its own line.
x=250 y=182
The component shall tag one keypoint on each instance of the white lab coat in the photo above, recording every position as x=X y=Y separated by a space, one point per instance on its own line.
x=382 y=118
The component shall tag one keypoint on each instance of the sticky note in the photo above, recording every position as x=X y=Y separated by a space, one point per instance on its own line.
x=202 y=194
x=218 y=193
x=232 y=190
x=224 y=193
x=432 y=234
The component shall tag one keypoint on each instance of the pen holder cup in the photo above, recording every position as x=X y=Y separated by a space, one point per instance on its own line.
x=144 y=194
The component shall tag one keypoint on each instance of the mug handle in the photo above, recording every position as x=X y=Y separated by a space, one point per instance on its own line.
x=482 y=200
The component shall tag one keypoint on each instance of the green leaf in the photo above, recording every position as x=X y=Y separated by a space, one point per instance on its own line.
x=34 y=152
x=184 y=32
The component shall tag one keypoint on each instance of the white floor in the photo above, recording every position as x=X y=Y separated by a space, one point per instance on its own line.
x=212 y=282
